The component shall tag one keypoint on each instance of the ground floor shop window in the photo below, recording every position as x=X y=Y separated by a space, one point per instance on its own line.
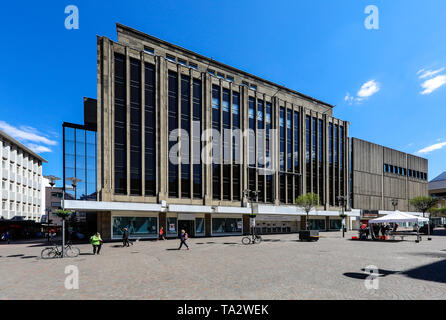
x=199 y=226
x=139 y=227
x=227 y=225
x=172 y=226
x=335 y=224
x=317 y=224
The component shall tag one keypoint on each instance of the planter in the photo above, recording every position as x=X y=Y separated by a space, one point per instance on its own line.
x=309 y=235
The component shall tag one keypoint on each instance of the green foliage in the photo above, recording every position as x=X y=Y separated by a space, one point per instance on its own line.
x=64 y=214
x=423 y=204
x=307 y=201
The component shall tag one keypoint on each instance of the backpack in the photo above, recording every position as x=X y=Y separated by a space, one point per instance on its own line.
x=186 y=236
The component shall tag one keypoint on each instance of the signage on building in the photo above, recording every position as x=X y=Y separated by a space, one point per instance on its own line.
x=239 y=225
x=369 y=214
x=252 y=222
x=172 y=227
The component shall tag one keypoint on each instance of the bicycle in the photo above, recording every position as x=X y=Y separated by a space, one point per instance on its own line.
x=254 y=239
x=56 y=252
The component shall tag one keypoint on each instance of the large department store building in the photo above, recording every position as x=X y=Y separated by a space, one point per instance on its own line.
x=176 y=139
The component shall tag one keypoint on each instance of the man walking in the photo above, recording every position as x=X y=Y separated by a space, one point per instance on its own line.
x=125 y=238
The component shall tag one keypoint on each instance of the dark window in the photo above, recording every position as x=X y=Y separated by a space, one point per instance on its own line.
x=170 y=58
x=173 y=125
x=150 y=130
x=341 y=160
x=193 y=66
x=216 y=162
x=313 y=153
x=149 y=50
x=120 y=125
x=307 y=151
x=185 y=136
x=330 y=162
x=135 y=128
x=182 y=62
x=336 y=163
x=196 y=139
x=236 y=150
x=226 y=137
x=269 y=175
x=320 y=160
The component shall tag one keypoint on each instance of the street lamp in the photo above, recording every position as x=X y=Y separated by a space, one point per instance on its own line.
x=251 y=195
x=342 y=201
x=394 y=204
x=74 y=182
x=52 y=182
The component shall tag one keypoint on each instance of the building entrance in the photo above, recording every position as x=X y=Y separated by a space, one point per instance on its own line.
x=188 y=226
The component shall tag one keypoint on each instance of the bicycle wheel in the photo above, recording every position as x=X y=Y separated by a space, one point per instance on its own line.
x=258 y=239
x=246 y=240
x=48 y=253
x=72 y=252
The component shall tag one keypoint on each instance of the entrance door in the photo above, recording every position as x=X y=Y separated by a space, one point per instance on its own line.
x=188 y=226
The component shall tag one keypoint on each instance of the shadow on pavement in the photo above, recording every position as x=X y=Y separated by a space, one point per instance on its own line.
x=86 y=254
x=171 y=249
x=364 y=275
x=430 y=272
x=15 y=255
x=29 y=257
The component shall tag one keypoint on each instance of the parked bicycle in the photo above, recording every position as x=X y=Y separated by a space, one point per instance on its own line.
x=252 y=239
x=56 y=251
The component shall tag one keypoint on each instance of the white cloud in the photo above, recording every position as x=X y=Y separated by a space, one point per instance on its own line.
x=25 y=133
x=429 y=73
x=38 y=148
x=368 y=89
x=433 y=147
x=433 y=84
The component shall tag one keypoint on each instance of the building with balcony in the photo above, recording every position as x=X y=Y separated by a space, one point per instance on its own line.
x=22 y=190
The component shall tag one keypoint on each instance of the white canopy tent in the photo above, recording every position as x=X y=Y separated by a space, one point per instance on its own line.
x=399 y=216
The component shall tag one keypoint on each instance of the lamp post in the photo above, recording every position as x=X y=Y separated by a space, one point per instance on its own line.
x=250 y=195
x=52 y=182
x=342 y=202
x=394 y=204
x=74 y=182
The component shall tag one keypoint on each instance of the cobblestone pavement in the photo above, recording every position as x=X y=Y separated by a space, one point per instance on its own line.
x=223 y=268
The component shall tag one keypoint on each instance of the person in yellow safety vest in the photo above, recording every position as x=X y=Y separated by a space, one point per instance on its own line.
x=96 y=242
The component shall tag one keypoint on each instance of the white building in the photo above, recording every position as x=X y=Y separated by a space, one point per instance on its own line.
x=22 y=190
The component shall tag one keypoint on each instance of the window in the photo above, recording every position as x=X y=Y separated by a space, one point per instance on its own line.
x=182 y=62
x=199 y=226
x=149 y=50
x=196 y=139
x=185 y=126
x=172 y=226
x=173 y=125
x=141 y=227
x=226 y=144
x=226 y=225
x=253 y=87
x=220 y=75
x=120 y=125
x=193 y=66
x=244 y=83
x=135 y=128
x=385 y=168
x=216 y=162
x=211 y=72
x=230 y=79
x=236 y=146
x=150 y=130
x=170 y=58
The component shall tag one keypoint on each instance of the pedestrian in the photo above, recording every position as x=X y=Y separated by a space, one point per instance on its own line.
x=7 y=237
x=125 y=238
x=183 y=237
x=162 y=234
x=96 y=242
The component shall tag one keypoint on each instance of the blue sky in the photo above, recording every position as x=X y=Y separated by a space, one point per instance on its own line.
x=389 y=83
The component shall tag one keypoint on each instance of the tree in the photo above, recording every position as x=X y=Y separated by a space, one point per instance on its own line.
x=423 y=204
x=307 y=202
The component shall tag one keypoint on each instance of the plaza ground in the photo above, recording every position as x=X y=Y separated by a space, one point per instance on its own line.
x=222 y=268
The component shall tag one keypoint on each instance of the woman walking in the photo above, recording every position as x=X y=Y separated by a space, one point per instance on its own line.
x=162 y=234
x=183 y=237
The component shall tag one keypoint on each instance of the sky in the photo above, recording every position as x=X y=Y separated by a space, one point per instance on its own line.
x=382 y=67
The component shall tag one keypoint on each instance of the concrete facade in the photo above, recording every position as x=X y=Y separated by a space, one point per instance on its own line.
x=374 y=187
x=22 y=190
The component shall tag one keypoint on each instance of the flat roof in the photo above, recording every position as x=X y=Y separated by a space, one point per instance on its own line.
x=145 y=35
x=14 y=141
